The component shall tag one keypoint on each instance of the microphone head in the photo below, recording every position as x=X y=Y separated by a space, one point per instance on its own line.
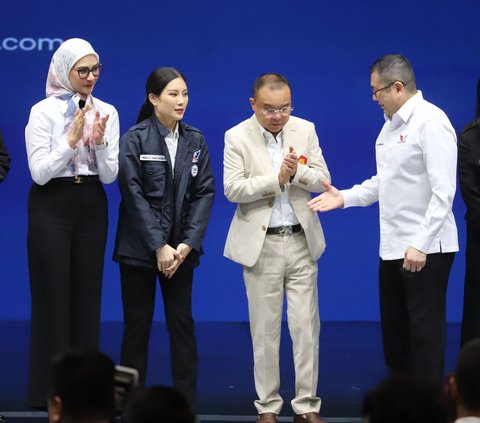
x=81 y=103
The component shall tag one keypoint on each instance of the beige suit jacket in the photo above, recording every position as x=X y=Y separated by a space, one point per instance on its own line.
x=250 y=181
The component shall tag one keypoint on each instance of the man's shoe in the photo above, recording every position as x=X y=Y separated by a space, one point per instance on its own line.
x=308 y=418
x=267 y=418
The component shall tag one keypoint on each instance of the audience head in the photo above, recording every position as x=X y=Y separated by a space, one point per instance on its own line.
x=405 y=399
x=81 y=388
x=464 y=385
x=158 y=404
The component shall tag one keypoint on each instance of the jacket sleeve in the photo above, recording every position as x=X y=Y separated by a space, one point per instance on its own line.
x=309 y=176
x=4 y=160
x=136 y=205
x=469 y=173
x=239 y=185
x=202 y=191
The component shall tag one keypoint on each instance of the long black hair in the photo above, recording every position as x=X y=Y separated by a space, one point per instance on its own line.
x=156 y=83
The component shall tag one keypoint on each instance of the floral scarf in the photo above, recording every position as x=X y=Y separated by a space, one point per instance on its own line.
x=58 y=85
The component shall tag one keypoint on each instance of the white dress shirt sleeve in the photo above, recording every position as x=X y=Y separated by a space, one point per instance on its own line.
x=46 y=156
x=361 y=195
x=440 y=156
x=107 y=158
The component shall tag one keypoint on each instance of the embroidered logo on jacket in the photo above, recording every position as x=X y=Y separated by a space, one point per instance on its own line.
x=196 y=156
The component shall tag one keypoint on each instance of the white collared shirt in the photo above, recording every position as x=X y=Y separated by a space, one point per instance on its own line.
x=282 y=212
x=416 y=156
x=172 y=144
x=47 y=147
x=469 y=419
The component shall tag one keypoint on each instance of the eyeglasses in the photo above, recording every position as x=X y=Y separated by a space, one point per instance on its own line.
x=284 y=111
x=84 y=72
x=375 y=92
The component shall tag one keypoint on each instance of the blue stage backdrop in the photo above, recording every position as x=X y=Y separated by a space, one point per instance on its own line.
x=323 y=47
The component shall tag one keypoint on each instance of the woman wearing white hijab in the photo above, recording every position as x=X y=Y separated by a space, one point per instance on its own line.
x=72 y=147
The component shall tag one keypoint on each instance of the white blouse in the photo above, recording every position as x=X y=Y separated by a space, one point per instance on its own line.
x=48 y=151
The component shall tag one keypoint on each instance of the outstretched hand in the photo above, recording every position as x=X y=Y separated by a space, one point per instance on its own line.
x=331 y=199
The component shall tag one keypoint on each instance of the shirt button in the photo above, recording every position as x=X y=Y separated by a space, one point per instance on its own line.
x=270 y=204
x=264 y=228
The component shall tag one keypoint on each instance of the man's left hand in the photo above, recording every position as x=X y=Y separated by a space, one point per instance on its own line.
x=414 y=260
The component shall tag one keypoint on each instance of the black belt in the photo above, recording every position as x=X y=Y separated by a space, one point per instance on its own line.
x=285 y=230
x=80 y=179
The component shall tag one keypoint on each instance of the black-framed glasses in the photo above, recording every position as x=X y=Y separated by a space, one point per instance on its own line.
x=83 y=72
x=375 y=92
x=284 y=111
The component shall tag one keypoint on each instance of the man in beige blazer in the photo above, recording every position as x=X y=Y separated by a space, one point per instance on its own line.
x=272 y=162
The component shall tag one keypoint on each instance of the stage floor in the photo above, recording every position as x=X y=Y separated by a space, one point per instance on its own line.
x=351 y=363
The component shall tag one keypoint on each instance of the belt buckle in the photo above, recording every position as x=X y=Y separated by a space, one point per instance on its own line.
x=285 y=230
x=78 y=180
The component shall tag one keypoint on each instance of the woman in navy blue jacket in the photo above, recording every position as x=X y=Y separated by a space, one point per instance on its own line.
x=167 y=189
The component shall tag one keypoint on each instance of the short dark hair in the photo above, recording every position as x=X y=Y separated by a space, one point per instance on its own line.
x=467 y=375
x=271 y=80
x=156 y=83
x=84 y=381
x=395 y=67
x=405 y=399
x=158 y=404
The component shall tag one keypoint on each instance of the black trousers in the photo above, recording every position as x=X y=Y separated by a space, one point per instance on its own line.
x=413 y=315
x=138 y=296
x=67 y=230
x=471 y=296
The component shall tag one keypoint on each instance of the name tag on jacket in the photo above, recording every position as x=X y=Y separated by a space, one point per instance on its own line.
x=152 y=158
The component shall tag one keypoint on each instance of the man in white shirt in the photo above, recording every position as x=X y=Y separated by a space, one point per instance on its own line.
x=272 y=162
x=416 y=158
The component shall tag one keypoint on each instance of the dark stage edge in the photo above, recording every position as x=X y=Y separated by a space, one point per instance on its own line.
x=351 y=363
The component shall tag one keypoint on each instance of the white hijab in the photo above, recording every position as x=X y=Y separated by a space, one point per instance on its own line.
x=69 y=53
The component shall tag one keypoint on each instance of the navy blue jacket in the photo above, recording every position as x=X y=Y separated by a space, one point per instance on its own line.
x=159 y=208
